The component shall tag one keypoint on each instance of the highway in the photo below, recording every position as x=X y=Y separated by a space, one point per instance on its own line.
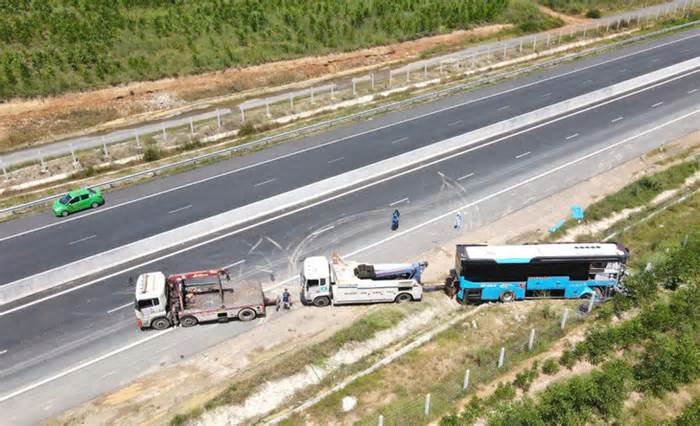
x=177 y=200
x=82 y=336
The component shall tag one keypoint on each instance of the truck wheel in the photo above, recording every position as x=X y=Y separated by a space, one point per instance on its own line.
x=160 y=323
x=403 y=297
x=188 y=321
x=507 y=296
x=246 y=314
x=322 y=301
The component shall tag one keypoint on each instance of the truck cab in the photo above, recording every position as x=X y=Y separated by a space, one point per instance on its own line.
x=151 y=301
x=316 y=281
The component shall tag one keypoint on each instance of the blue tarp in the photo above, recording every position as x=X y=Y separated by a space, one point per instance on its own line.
x=576 y=212
x=556 y=226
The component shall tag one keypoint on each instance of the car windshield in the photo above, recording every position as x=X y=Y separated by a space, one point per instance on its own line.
x=65 y=199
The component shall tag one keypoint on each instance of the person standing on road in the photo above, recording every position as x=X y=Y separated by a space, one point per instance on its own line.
x=395 y=220
x=284 y=300
x=459 y=220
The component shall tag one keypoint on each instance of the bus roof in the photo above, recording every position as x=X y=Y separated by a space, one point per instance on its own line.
x=525 y=253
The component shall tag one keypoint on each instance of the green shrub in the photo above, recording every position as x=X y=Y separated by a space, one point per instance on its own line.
x=667 y=363
x=594 y=14
x=567 y=359
x=550 y=367
x=524 y=379
x=528 y=18
x=152 y=153
x=690 y=415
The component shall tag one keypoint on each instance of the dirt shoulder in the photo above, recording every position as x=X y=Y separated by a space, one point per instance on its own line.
x=48 y=118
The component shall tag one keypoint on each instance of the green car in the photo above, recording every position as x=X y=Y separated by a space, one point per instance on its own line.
x=76 y=201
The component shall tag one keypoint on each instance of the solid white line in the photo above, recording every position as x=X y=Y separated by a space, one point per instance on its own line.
x=503 y=108
x=522 y=155
x=657 y=104
x=189 y=206
x=546 y=94
x=81 y=240
x=690 y=92
x=398 y=202
x=120 y=307
x=334 y=141
x=399 y=140
x=466 y=176
x=343 y=194
x=83 y=365
x=348 y=255
x=3 y=352
x=336 y=159
x=264 y=182
x=615 y=120
x=252 y=249
x=454 y=123
x=572 y=136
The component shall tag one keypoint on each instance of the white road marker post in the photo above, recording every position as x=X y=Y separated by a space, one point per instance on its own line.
x=104 y=149
x=425 y=71
x=591 y=301
x=191 y=127
x=371 y=81
x=426 y=409
x=75 y=162
x=138 y=141
x=312 y=95
x=531 y=341
x=501 y=357
x=354 y=88
x=505 y=51
x=165 y=136
x=4 y=170
x=380 y=420
x=465 y=385
x=218 y=118
x=564 y=317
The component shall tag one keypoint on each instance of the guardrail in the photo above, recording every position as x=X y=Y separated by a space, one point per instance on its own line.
x=339 y=120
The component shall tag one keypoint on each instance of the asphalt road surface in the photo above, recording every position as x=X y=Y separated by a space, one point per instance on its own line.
x=66 y=349
x=166 y=203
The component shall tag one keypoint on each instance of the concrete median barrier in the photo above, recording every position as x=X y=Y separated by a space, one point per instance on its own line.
x=267 y=209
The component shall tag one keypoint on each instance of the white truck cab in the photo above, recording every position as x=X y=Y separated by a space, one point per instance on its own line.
x=339 y=282
x=151 y=300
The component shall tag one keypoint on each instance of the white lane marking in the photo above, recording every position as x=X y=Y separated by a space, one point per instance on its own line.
x=575 y=135
x=657 y=104
x=546 y=95
x=189 y=206
x=655 y=60
x=520 y=184
x=111 y=373
x=322 y=230
x=240 y=262
x=524 y=154
x=348 y=255
x=81 y=240
x=3 y=352
x=623 y=69
x=398 y=202
x=503 y=108
x=336 y=159
x=334 y=141
x=252 y=249
x=466 y=176
x=275 y=243
x=360 y=188
x=265 y=182
x=454 y=123
x=690 y=92
x=82 y=365
x=120 y=307
x=587 y=81
x=399 y=140
x=615 y=120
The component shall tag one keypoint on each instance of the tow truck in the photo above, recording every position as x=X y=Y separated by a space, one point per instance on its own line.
x=193 y=297
x=324 y=282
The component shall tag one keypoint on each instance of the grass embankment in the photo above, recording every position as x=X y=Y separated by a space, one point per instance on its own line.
x=653 y=354
x=637 y=194
x=397 y=391
x=379 y=319
x=53 y=47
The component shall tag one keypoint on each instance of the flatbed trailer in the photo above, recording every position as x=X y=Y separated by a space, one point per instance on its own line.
x=194 y=297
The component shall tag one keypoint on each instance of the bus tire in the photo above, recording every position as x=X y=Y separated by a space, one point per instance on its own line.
x=189 y=321
x=247 y=314
x=160 y=323
x=322 y=301
x=507 y=296
x=403 y=297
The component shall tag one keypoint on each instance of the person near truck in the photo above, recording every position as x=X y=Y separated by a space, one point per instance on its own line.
x=284 y=300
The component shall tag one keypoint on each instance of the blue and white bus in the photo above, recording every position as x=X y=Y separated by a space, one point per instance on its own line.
x=516 y=272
